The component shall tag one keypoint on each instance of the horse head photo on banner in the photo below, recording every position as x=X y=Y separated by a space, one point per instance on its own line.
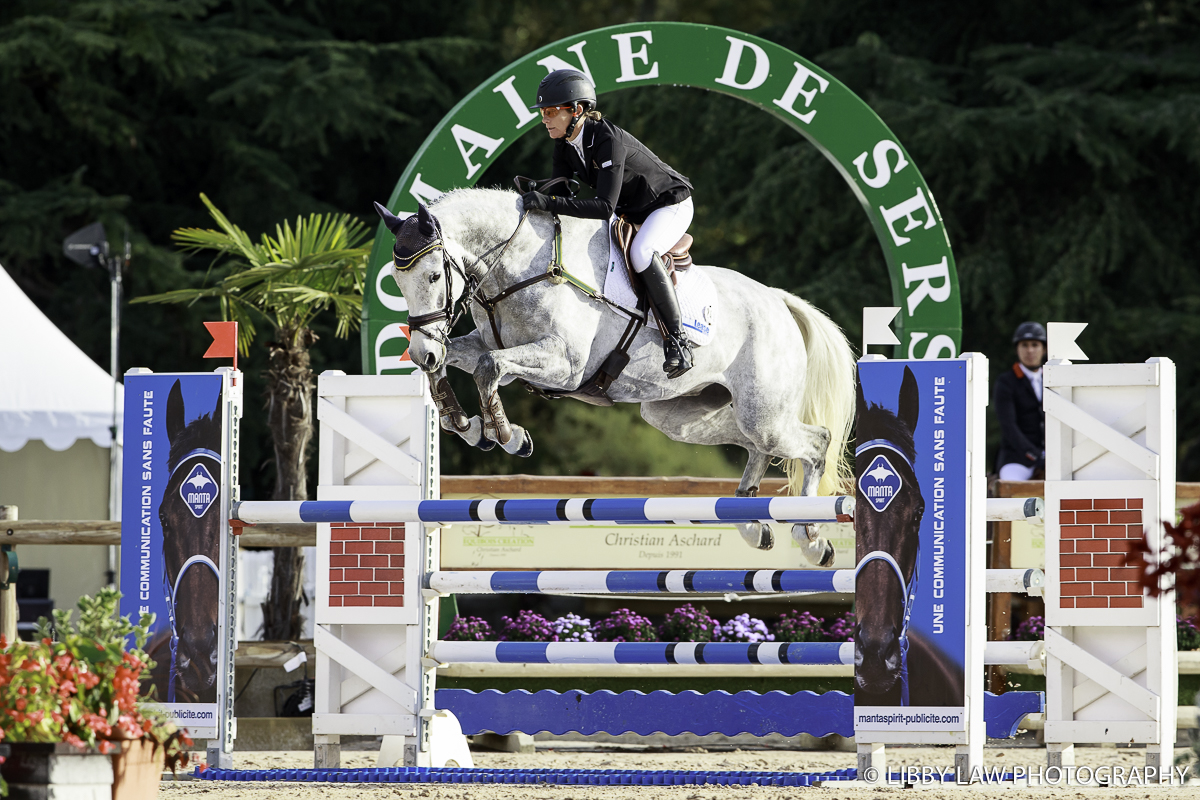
x=186 y=649
x=895 y=665
x=775 y=380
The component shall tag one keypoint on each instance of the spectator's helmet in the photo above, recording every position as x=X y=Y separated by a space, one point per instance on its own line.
x=565 y=87
x=1029 y=330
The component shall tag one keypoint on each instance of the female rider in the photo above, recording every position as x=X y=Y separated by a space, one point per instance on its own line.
x=630 y=181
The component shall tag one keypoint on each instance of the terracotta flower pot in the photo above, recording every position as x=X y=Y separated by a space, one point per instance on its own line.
x=136 y=770
x=35 y=771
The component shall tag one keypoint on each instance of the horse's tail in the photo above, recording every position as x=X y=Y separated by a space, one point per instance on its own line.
x=828 y=394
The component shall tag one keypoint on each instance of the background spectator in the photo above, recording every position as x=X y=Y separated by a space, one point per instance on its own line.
x=1017 y=398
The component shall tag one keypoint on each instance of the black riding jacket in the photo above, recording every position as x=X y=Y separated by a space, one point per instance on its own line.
x=1022 y=421
x=627 y=177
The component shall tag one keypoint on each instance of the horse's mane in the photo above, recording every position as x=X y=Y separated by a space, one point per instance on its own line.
x=878 y=422
x=203 y=432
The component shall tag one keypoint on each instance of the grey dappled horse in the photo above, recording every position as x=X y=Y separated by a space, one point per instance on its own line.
x=777 y=379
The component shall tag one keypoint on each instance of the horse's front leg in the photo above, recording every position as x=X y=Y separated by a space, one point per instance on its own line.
x=464 y=353
x=544 y=362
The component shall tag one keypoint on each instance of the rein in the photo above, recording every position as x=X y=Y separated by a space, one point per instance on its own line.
x=555 y=272
x=909 y=590
x=172 y=590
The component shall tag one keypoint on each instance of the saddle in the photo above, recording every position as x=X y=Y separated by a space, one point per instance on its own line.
x=677 y=258
x=594 y=391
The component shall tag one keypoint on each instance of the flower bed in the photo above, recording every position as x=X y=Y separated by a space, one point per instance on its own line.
x=686 y=623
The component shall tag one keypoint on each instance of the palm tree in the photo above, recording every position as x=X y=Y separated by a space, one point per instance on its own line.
x=305 y=269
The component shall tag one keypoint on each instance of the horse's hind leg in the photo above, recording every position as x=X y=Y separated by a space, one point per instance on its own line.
x=707 y=418
x=756 y=534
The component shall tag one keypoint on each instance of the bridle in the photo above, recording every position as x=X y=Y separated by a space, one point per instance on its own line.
x=909 y=590
x=172 y=591
x=454 y=307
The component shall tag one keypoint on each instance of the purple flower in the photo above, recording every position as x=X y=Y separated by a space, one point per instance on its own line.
x=745 y=628
x=469 y=629
x=623 y=625
x=799 y=626
x=1029 y=631
x=689 y=624
x=841 y=629
x=572 y=628
x=527 y=627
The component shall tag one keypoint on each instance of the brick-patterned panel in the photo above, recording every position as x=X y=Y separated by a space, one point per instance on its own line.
x=1095 y=535
x=366 y=565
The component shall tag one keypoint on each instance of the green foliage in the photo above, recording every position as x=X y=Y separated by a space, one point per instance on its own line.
x=317 y=264
x=1061 y=142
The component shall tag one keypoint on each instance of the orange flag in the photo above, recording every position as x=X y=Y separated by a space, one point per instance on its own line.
x=404 y=329
x=224 y=343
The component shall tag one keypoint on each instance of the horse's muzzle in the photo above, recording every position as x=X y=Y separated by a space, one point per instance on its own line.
x=876 y=659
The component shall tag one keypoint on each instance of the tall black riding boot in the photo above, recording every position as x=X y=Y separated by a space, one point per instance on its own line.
x=666 y=304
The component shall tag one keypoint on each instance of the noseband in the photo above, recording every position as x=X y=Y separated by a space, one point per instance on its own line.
x=908 y=590
x=455 y=306
x=172 y=590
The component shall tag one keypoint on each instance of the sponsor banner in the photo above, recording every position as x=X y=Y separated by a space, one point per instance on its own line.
x=172 y=532
x=926 y=718
x=911 y=483
x=628 y=547
x=193 y=716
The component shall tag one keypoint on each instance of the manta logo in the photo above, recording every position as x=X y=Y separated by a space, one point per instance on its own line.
x=199 y=490
x=880 y=483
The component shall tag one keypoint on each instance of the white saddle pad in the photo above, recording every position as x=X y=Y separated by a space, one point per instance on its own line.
x=697 y=295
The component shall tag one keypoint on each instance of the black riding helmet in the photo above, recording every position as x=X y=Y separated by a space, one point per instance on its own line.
x=565 y=87
x=1029 y=330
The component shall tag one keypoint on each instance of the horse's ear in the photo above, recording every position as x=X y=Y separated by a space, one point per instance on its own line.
x=910 y=400
x=391 y=220
x=425 y=220
x=175 y=417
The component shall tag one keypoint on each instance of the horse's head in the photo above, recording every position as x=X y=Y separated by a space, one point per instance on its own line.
x=888 y=539
x=430 y=282
x=190 y=514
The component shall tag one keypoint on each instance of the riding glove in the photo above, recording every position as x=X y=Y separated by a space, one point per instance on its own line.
x=535 y=201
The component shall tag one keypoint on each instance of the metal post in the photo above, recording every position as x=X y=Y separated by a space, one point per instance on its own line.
x=8 y=594
x=115 y=266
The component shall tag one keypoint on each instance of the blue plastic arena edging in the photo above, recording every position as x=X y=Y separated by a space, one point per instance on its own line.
x=572 y=777
x=557 y=777
x=720 y=712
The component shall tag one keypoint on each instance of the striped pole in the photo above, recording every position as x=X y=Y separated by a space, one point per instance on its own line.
x=623 y=511
x=828 y=653
x=619 y=511
x=642 y=653
x=762 y=581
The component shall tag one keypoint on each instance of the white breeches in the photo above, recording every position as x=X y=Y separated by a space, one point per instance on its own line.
x=660 y=232
x=1015 y=472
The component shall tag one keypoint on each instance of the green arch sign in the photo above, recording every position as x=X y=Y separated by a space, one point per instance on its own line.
x=844 y=128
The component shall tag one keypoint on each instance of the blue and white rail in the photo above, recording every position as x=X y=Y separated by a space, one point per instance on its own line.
x=762 y=581
x=642 y=652
x=619 y=511
x=622 y=511
x=826 y=653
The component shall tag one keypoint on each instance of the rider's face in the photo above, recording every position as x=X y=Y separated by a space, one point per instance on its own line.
x=556 y=119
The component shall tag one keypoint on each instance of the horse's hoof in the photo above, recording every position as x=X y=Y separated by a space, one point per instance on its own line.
x=758 y=536
x=485 y=444
x=827 y=556
x=766 y=538
x=526 y=448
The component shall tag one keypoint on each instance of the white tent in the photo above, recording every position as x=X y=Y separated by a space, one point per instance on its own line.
x=51 y=390
x=56 y=409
